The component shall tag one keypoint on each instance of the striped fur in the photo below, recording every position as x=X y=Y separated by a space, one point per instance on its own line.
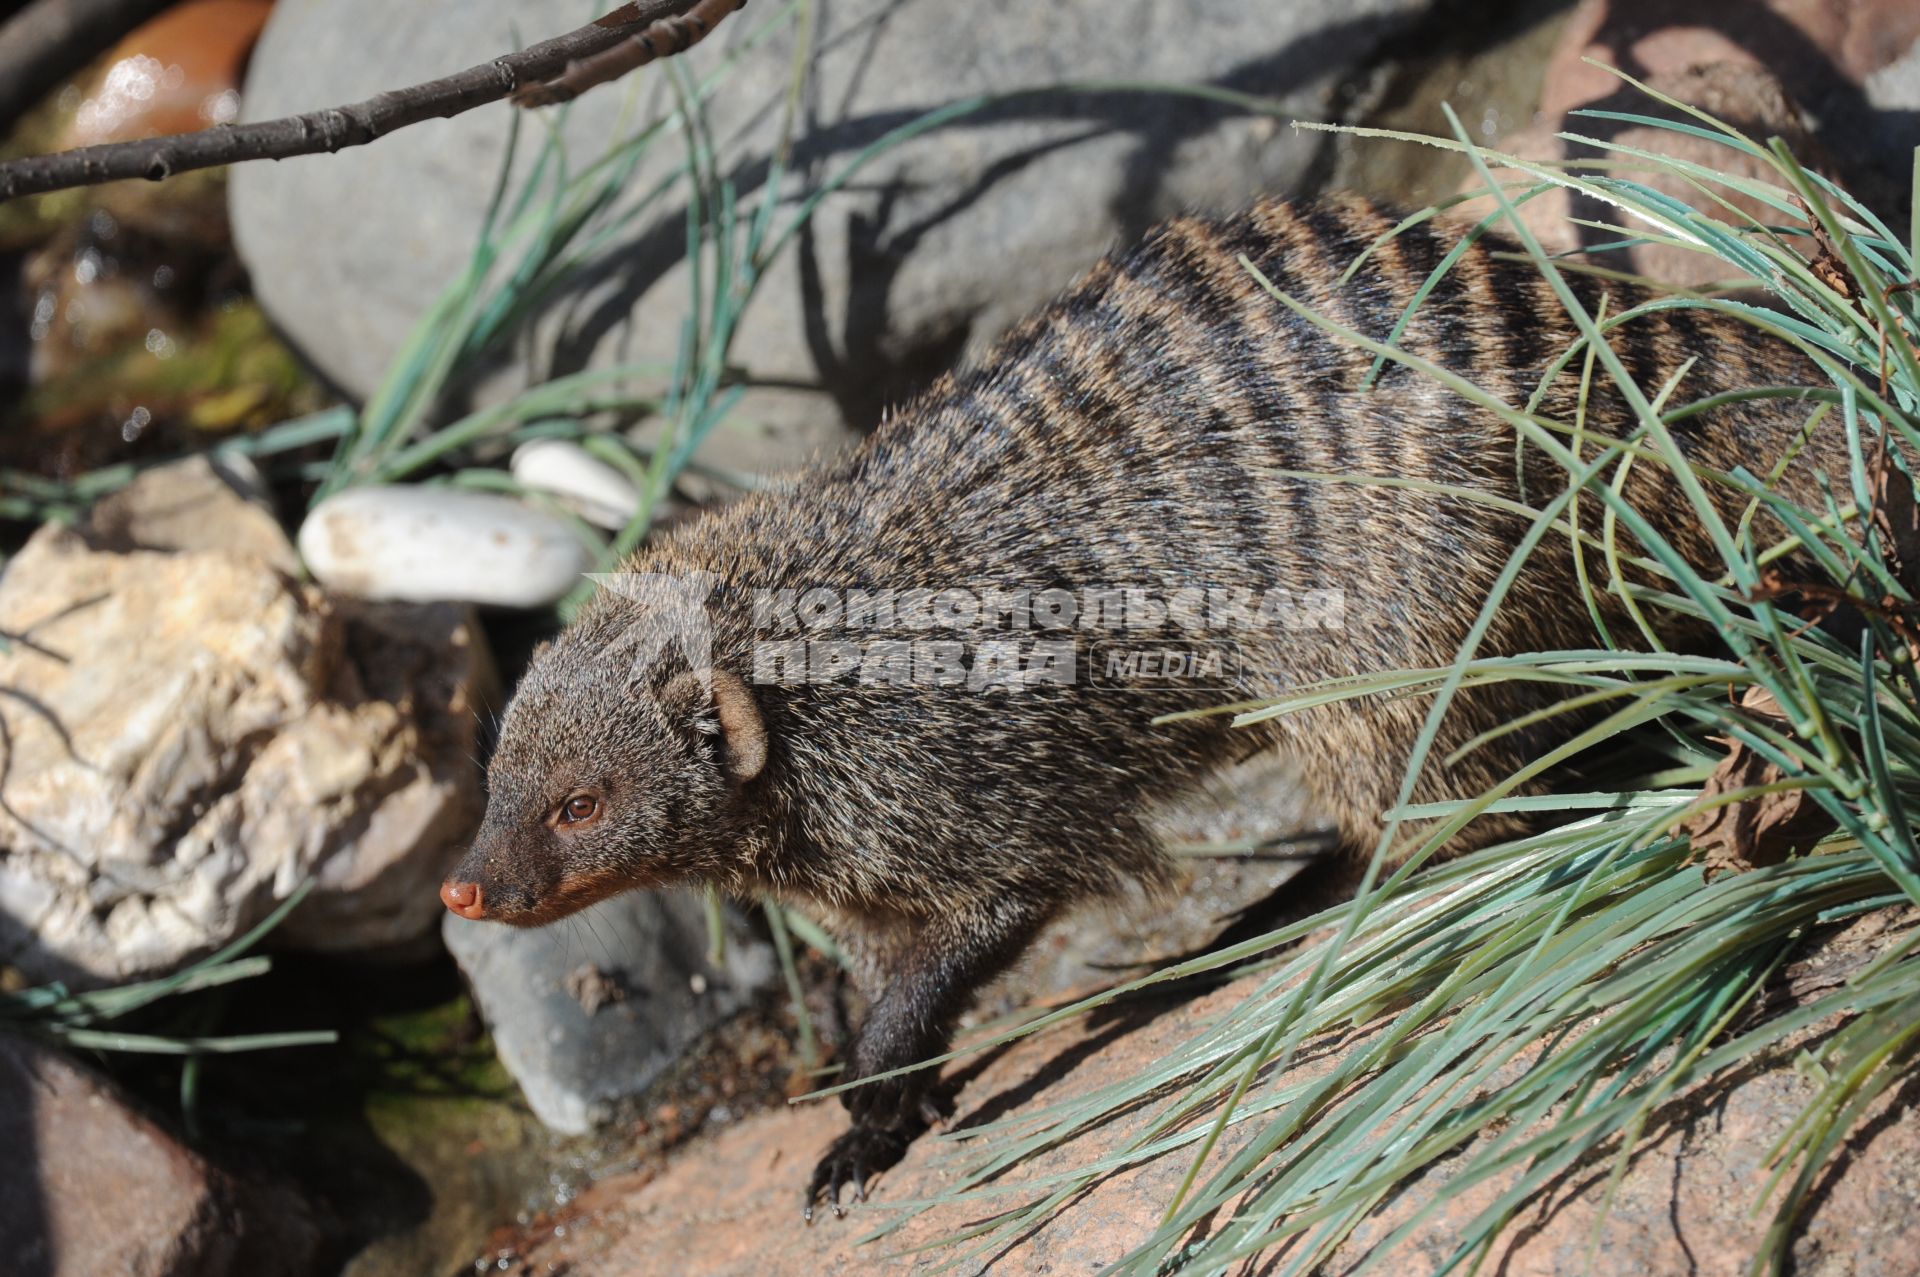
x=1141 y=431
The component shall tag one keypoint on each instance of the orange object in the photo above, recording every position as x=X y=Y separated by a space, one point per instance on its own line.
x=175 y=74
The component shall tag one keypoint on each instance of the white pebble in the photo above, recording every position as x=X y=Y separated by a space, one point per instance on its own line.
x=594 y=490
x=429 y=545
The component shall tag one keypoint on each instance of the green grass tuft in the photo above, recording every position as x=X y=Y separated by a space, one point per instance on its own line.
x=87 y=1020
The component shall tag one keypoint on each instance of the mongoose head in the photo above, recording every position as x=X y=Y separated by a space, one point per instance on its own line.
x=604 y=781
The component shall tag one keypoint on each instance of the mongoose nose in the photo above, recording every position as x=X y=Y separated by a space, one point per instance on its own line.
x=464 y=898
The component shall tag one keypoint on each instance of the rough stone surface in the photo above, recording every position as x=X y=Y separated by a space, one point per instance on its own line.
x=1489 y=72
x=1839 y=82
x=190 y=734
x=727 y=1206
x=208 y=502
x=1822 y=50
x=90 y=1186
x=936 y=245
x=587 y=1012
x=1748 y=97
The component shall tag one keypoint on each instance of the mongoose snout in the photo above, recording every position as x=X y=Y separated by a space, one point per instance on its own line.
x=464 y=898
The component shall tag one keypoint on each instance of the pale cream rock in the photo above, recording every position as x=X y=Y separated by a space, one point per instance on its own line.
x=587 y=485
x=429 y=545
x=190 y=735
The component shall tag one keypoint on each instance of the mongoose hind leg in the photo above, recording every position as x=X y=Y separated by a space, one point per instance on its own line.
x=944 y=964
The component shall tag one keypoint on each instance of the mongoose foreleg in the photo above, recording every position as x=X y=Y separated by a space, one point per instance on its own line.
x=941 y=968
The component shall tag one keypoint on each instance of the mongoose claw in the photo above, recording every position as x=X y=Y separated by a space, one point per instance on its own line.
x=862 y=1152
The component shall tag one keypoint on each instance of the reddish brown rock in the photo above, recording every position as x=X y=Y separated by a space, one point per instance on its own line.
x=179 y=73
x=175 y=74
x=1818 y=48
x=1794 y=69
x=729 y=1206
x=90 y=1186
x=1748 y=97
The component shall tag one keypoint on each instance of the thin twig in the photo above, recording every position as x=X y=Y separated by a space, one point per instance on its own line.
x=335 y=128
x=663 y=39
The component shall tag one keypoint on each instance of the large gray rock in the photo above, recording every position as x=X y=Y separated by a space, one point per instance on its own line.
x=941 y=242
x=191 y=733
x=586 y=1012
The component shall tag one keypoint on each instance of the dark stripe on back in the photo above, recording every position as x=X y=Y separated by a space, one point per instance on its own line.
x=1268 y=367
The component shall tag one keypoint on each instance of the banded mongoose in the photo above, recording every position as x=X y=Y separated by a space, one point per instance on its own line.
x=1152 y=429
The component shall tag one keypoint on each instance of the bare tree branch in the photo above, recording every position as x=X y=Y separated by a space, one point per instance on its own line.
x=662 y=40
x=664 y=23
x=46 y=41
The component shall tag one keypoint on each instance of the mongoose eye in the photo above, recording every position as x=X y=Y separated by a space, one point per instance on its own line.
x=578 y=808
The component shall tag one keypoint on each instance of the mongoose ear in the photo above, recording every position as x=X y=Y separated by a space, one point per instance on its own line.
x=735 y=715
x=741 y=726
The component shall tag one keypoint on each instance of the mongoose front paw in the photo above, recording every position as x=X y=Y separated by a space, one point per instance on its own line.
x=862 y=1152
x=884 y=1101
x=893 y=1102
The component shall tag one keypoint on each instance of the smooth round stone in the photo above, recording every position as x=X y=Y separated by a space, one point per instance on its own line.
x=429 y=545
x=587 y=485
